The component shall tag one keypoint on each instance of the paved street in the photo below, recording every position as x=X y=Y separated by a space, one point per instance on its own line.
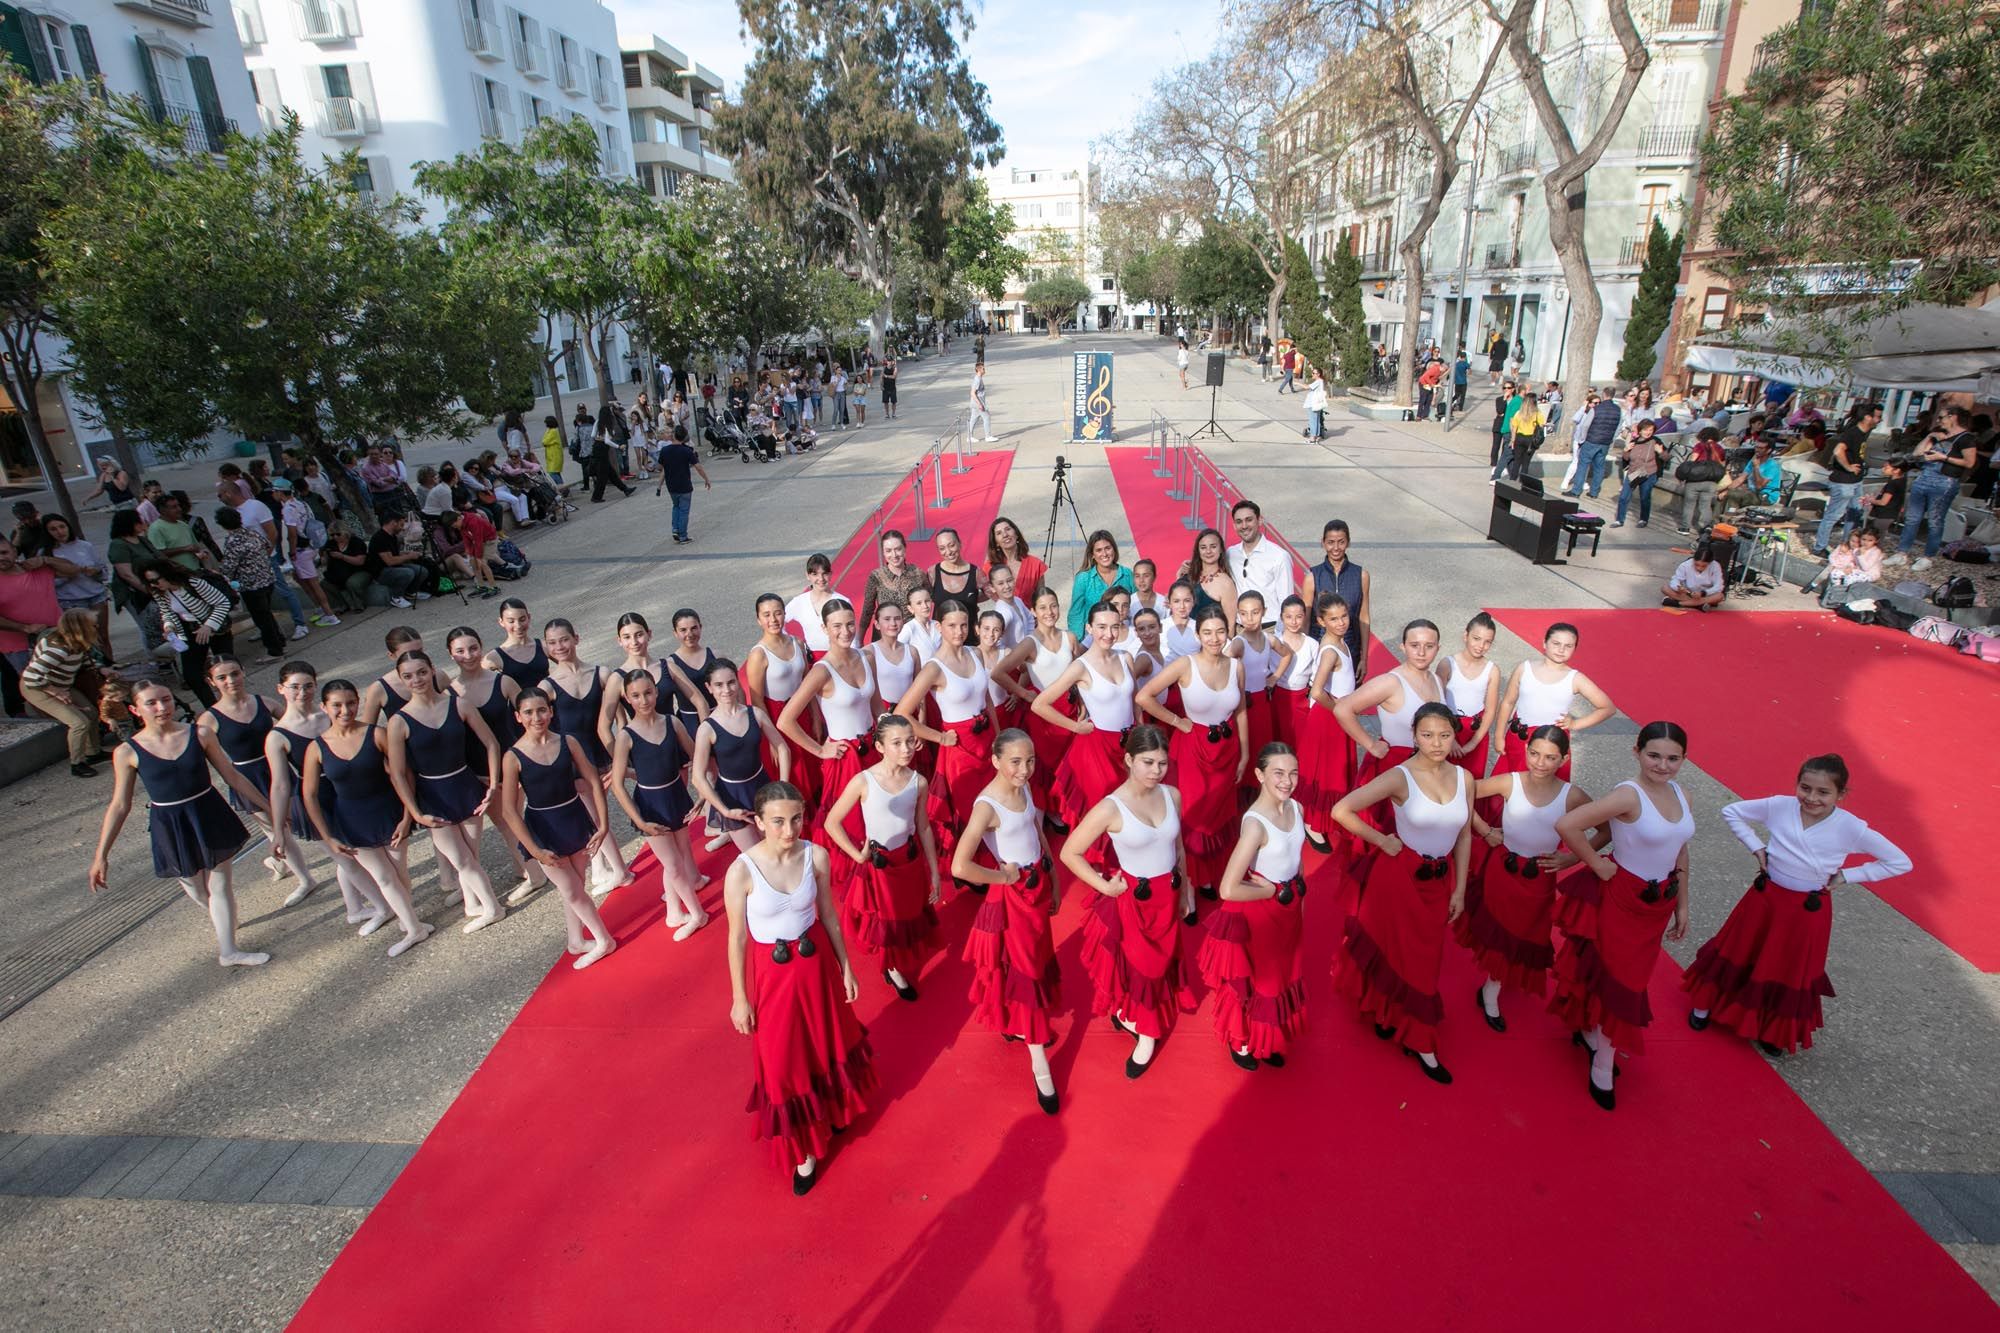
x=266 y=1108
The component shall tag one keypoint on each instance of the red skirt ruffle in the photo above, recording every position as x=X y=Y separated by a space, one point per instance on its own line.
x=1607 y=960
x=890 y=911
x=805 y=765
x=1016 y=983
x=1251 y=960
x=1393 y=946
x=1261 y=719
x=963 y=770
x=1764 y=974
x=834 y=775
x=1508 y=922
x=1288 y=717
x=1132 y=951
x=1472 y=761
x=1051 y=743
x=809 y=1052
x=1326 y=771
x=1207 y=785
x=1381 y=816
x=1092 y=767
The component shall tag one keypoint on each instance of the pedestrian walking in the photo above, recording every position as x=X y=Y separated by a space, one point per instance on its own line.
x=1181 y=360
x=678 y=464
x=978 y=412
x=1316 y=407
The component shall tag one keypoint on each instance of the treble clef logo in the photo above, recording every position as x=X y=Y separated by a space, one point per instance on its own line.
x=1099 y=402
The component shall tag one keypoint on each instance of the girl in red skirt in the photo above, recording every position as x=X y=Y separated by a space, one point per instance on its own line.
x=1510 y=899
x=1291 y=679
x=773 y=670
x=842 y=685
x=1326 y=770
x=1041 y=658
x=1132 y=941
x=790 y=990
x=1261 y=658
x=1412 y=889
x=951 y=688
x=1613 y=917
x=1211 y=743
x=1251 y=956
x=1764 y=973
x=1015 y=981
x=1541 y=694
x=1092 y=760
x=1009 y=697
x=892 y=907
x=1472 y=688
x=1395 y=696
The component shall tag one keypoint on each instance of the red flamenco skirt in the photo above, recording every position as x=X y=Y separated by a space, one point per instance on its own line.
x=1288 y=717
x=1251 y=960
x=1261 y=717
x=1326 y=771
x=926 y=761
x=1016 y=983
x=1393 y=946
x=1132 y=951
x=1381 y=816
x=1611 y=944
x=834 y=775
x=1764 y=974
x=890 y=910
x=1051 y=743
x=1508 y=920
x=963 y=770
x=1091 y=768
x=1472 y=760
x=805 y=765
x=1207 y=784
x=810 y=1053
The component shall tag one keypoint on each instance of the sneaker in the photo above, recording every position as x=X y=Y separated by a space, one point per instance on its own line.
x=400 y=603
x=1643 y=522
x=421 y=596
x=1921 y=565
x=328 y=621
x=1619 y=524
x=1896 y=558
x=82 y=771
x=299 y=632
x=320 y=620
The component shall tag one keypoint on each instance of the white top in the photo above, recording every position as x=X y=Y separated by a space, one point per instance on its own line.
x=1014 y=838
x=1427 y=827
x=1539 y=704
x=1467 y=694
x=1126 y=643
x=926 y=637
x=1206 y=707
x=1528 y=829
x=1177 y=640
x=782 y=676
x=1701 y=582
x=1278 y=859
x=1047 y=664
x=772 y=915
x=1109 y=701
x=1339 y=681
x=888 y=818
x=1016 y=620
x=1803 y=859
x=254 y=512
x=1304 y=662
x=1398 y=724
x=1258 y=663
x=1267 y=568
x=850 y=710
x=1145 y=851
x=801 y=612
x=1651 y=844
x=1145 y=664
x=891 y=678
x=961 y=698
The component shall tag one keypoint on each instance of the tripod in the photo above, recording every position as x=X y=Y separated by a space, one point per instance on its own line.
x=1063 y=499
x=1211 y=428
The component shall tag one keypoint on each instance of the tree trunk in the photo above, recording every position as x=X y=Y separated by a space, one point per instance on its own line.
x=1586 y=307
x=1272 y=305
x=128 y=457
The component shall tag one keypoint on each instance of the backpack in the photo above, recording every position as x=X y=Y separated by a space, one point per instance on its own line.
x=1983 y=644
x=1936 y=629
x=1954 y=593
x=507 y=560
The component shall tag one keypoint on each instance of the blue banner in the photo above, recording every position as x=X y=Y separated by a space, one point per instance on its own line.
x=1090 y=398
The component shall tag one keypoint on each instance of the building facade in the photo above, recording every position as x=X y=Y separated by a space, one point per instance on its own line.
x=181 y=58
x=1053 y=226
x=668 y=97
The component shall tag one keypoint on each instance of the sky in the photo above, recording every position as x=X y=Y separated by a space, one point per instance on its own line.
x=1061 y=74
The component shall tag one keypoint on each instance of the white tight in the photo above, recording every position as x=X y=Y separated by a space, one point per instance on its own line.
x=609 y=862
x=457 y=846
x=579 y=912
x=211 y=890
x=680 y=882
x=394 y=884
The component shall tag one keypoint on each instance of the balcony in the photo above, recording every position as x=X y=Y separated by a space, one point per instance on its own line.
x=342 y=118
x=1502 y=256
x=495 y=122
x=1515 y=160
x=1381 y=185
x=189 y=13
x=482 y=38
x=1669 y=143
x=198 y=134
x=1767 y=57
x=530 y=58
x=322 y=21
x=1377 y=261
x=669 y=104
x=1632 y=251
x=670 y=155
x=1683 y=18
x=569 y=76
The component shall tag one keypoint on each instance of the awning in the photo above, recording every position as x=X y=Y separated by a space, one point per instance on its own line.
x=1946 y=349
x=1375 y=310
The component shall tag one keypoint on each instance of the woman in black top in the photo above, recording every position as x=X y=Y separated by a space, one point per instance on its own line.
x=889 y=388
x=952 y=579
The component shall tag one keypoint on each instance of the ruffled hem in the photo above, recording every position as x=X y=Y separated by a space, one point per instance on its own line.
x=1363 y=974
x=905 y=944
x=1768 y=1011
x=1004 y=998
x=1587 y=996
x=799 y=1125
x=1508 y=959
x=1578 y=898
x=1151 y=1004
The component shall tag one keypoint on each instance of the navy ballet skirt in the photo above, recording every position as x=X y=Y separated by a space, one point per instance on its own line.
x=555 y=813
x=368 y=810
x=191 y=826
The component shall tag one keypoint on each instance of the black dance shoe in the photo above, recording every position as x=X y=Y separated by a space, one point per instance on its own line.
x=1384 y=1033
x=1055 y=823
x=1318 y=842
x=1275 y=1060
x=1244 y=1060
x=904 y=991
x=1604 y=1097
x=1008 y=1036
x=802 y=1185
x=1497 y=1022
x=1210 y=892
x=1436 y=1073
x=1050 y=1102
x=1133 y=1069
x=1775 y=1052
x=1576 y=1039
x=1190 y=919
x=1699 y=1022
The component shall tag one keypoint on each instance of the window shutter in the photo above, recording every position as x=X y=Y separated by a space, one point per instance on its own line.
x=264 y=85
x=364 y=92
x=349 y=13
x=378 y=170
x=154 y=101
x=40 y=64
x=86 y=55
x=14 y=41
x=207 y=101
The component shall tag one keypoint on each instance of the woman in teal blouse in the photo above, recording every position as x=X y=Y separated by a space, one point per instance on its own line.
x=1100 y=574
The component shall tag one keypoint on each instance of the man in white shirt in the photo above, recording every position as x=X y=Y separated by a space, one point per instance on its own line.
x=979 y=412
x=1256 y=563
x=257 y=515
x=1697 y=583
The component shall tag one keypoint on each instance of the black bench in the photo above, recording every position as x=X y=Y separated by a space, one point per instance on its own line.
x=1535 y=533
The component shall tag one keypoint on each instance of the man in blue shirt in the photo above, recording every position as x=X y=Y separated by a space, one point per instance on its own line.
x=1461 y=371
x=678 y=464
x=1596 y=427
x=1759 y=483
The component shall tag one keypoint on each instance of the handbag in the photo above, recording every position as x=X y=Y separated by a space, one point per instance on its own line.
x=1698 y=470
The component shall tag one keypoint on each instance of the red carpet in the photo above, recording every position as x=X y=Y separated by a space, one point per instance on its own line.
x=974 y=504
x=597 y=1172
x=1778 y=687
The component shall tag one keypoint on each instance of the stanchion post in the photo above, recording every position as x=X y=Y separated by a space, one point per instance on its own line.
x=1161 y=471
x=923 y=531
x=1177 y=490
x=1192 y=522
x=942 y=501
x=962 y=467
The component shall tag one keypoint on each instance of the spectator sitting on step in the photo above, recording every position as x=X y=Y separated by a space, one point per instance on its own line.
x=1697 y=582
x=1759 y=483
x=1856 y=560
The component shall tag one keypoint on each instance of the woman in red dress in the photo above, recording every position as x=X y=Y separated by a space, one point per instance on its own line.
x=1764 y=973
x=1395 y=696
x=1326 y=764
x=1292 y=680
x=1263 y=658
x=1210 y=746
x=773 y=670
x=1042 y=656
x=1510 y=896
x=1132 y=941
x=1412 y=888
x=893 y=905
x=953 y=686
x=1015 y=981
x=1472 y=688
x=1251 y=957
x=790 y=990
x=842 y=685
x=1006 y=546
x=1612 y=918
x=1093 y=760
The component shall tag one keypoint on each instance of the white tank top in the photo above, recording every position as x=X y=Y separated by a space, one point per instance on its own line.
x=1538 y=705
x=961 y=698
x=888 y=818
x=1528 y=829
x=994 y=691
x=1426 y=826
x=1467 y=694
x=1206 y=707
x=1109 y=701
x=1145 y=851
x=1015 y=620
x=1014 y=838
x=923 y=639
x=1299 y=674
x=1178 y=641
x=1278 y=859
x=892 y=679
x=782 y=677
x=1145 y=664
x=1339 y=681
x=1398 y=724
x=1651 y=844
x=850 y=710
x=1257 y=663
x=1049 y=663
x=773 y=916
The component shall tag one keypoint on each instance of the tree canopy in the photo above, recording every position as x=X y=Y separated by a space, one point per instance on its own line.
x=1652 y=304
x=977 y=248
x=1055 y=298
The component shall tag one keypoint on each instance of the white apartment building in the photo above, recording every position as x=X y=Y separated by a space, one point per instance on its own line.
x=182 y=59
x=668 y=96
x=1051 y=202
x=1370 y=191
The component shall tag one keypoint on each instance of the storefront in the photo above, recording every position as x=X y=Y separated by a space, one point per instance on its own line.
x=18 y=467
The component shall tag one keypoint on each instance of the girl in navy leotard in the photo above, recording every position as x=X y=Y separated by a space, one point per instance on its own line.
x=553 y=801
x=519 y=657
x=653 y=750
x=365 y=818
x=193 y=831
x=431 y=764
x=576 y=690
x=732 y=740
x=239 y=721
x=298 y=726
x=386 y=695
x=492 y=692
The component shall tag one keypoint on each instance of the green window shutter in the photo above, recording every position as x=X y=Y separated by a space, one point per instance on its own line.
x=40 y=65
x=154 y=101
x=86 y=56
x=207 y=101
x=14 y=41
